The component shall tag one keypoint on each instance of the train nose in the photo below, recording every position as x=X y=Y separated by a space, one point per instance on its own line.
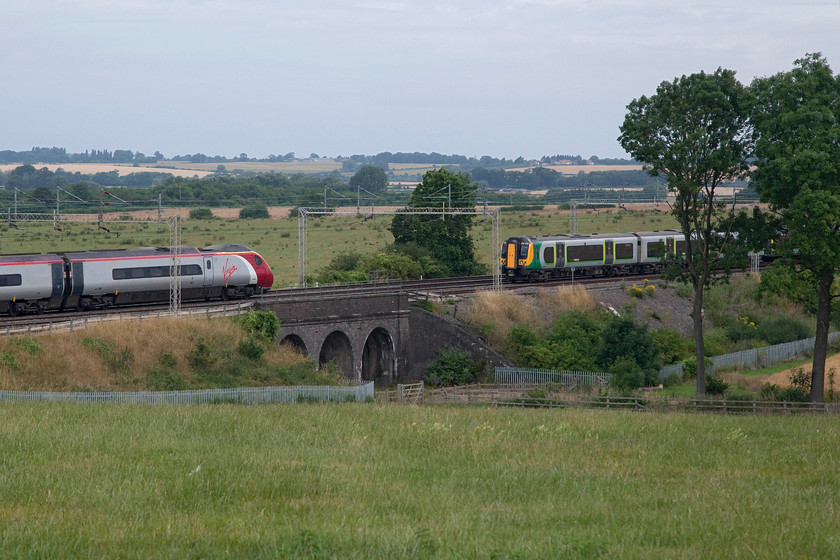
x=265 y=277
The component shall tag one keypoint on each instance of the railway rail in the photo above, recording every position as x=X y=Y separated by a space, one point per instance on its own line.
x=431 y=289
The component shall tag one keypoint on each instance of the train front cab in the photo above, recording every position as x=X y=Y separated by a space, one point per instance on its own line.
x=517 y=257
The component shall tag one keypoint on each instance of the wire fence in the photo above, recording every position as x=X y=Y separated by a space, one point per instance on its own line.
x=755 y=357
x=566 y=378
x=240 y=395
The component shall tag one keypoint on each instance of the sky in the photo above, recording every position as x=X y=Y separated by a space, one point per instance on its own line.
x=503 y=78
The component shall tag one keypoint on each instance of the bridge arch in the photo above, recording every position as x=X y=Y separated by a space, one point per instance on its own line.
x=295 y=342
x=338 y=349
x=379 y=357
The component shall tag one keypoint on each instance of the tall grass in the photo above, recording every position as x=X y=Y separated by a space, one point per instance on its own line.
x=494 y=313
x=371 y=481
x=151 y=354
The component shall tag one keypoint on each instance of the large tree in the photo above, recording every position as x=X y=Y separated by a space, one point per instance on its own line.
x=445 y=236
x=694 y=131
x=796 y=117
x=371 y=178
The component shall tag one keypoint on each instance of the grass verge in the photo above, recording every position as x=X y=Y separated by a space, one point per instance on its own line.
x=372 y=481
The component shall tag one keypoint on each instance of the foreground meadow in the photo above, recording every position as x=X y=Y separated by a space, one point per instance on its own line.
x=374 y=481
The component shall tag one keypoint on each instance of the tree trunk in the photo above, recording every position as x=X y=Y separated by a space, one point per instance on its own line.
x=700 y=350
x=821 y=340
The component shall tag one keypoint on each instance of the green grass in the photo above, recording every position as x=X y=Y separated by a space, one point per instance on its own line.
x=277 y=239
x=373 y=481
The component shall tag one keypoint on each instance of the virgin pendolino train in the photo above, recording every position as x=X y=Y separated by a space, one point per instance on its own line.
x=110 y=277
x=531 y=259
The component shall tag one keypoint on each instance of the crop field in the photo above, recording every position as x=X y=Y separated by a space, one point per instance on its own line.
x=376 y=481
x=287 y=167
x=277 y=238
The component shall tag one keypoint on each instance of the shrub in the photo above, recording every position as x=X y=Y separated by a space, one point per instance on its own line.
x=251 y=349
x=253 y=211
x=453 y=366
x=715 y=385
x=201 y=214
x=626 y=374
x=690 y=367
x=8 y=360
x=781 y=330
x=260 y=324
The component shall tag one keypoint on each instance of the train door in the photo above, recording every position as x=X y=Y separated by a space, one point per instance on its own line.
x=510 y=259
x=609 y=252
x=57 y=279
x=561 y=255
x=208 y=271
x=669 y=247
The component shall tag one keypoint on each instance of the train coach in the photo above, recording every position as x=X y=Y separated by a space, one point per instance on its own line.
x=530 y=259
x=105 y=278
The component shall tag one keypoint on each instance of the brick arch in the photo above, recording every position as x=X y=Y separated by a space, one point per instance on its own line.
x=379 y=357
x=296 y=342
x=338 y=348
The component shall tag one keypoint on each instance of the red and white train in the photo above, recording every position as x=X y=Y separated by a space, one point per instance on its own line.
x=105 y=278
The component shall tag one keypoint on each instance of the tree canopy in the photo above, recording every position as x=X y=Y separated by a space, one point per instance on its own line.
x=694 y=131
x=371 y=178
x=446 y=237
x=796 y=115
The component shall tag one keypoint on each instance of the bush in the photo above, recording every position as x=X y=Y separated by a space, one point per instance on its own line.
x=627 y=374
x=781 y=330
x=453 y=366
x=251 y=349
x=260 y=324
x=253 y=211
x=201 y=214
x=715 y=385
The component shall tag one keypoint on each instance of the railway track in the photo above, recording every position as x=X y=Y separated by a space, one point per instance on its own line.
x=437 y=288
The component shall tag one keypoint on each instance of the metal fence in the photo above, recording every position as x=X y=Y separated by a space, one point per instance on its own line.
x=755 y=357
x=525 y=376
x=241 y=395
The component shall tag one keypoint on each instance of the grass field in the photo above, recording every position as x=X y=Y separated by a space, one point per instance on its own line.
x=373 y=481
x=277 y=239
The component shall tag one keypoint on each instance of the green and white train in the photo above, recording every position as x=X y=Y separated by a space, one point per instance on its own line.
x=533 y=259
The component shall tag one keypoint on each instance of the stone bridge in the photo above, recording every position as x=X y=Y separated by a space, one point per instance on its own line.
x=371 y=337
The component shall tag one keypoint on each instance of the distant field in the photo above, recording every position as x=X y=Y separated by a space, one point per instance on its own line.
x=376 y=481
x=313 y=166
x=575 y=169
x=91 y=168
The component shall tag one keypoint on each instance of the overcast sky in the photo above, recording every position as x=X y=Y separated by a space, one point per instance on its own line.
x=473 y=77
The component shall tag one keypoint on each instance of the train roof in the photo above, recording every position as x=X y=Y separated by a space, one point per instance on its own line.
x=30 y=258
x=134 y=252
x=227 y=248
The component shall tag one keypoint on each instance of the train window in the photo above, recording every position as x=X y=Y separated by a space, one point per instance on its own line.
x=10 y=280
x=153 y=272
x=655 y=250
x=682 y=247
x=584 y=253
x=548 y=255
x=523 y=250
x=209 y=264
x=258 y=260
x=624 y=250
